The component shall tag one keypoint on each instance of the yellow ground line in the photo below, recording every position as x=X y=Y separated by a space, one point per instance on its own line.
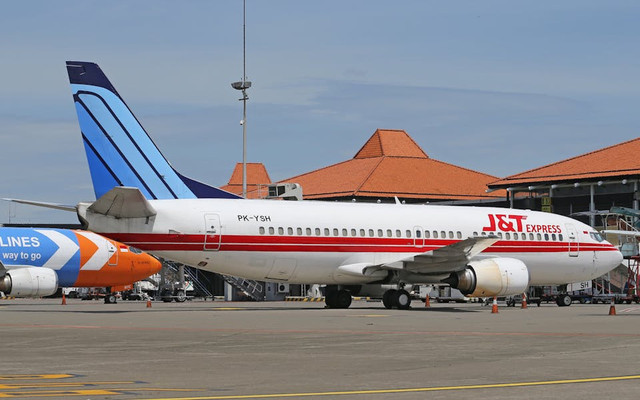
x=51 y=385
x=59 y=393
x=410 y=390
x=34 y=376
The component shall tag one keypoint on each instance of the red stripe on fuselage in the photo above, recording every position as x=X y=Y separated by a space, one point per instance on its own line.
x=172 y=242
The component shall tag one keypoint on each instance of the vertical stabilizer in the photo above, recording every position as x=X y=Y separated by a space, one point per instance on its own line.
x=119 y=150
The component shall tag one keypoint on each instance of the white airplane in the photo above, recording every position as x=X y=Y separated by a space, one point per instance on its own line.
x=482 y=252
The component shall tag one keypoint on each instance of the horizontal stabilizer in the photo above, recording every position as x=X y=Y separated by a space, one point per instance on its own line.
x=56 y=206
x=123 y=202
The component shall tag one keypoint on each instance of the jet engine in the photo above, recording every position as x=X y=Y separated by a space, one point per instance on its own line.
x=29 y=282
x=491 y=277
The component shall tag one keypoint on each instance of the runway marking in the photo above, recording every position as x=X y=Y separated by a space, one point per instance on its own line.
x=369 y=315
x=49 y=385
x=631 y=309
x=409 y=390
x=323 y=331
x=68 y=388
x=228 y=308
x=35 y=376
x=60 y=393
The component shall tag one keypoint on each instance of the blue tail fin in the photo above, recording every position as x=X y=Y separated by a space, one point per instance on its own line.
x=119 y=150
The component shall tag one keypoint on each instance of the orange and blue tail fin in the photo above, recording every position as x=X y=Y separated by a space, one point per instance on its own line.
x=119 y=150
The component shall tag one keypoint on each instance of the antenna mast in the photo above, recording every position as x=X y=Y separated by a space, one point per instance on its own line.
x=243 y=85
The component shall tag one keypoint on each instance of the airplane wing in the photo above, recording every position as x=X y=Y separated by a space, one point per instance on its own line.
x=449 y=258
x=443 y=260
x=123 y=202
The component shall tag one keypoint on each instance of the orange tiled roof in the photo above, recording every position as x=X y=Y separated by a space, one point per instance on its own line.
x=619 y=160
x=392 y=164
x=256 y=175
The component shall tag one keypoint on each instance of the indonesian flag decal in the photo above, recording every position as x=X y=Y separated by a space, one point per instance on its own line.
x=124 y=248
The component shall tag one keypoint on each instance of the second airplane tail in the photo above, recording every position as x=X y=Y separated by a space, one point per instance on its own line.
x=119 y=150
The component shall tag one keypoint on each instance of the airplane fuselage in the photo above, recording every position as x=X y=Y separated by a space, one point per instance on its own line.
x=306 y=241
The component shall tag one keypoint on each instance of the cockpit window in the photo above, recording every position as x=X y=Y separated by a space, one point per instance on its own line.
x=135 y=250
x=596 y=236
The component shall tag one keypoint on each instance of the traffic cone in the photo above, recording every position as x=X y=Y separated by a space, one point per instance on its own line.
x=524 y=300
x=494 y=307
x=427 y=303
x=64 y=300
x=149 y=303
x=612 y=307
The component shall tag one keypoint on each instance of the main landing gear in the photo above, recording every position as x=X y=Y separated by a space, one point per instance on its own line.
x=337 y=298
x=397 y=298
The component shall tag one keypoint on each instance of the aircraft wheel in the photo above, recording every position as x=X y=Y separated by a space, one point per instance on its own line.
x=387 y=298
x=402 y=299
x=110 y=299
x=181 y=296
x=564 y=300
x=331 y=299
x=343 y=299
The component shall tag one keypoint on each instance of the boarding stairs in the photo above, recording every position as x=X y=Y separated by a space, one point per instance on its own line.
x=191 y=275
x=251 y=288
x=627 y=220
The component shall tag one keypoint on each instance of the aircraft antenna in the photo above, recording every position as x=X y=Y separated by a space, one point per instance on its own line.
x=243 y=85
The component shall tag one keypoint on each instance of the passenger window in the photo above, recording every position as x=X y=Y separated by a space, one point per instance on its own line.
x=299 y=231
x=308 y=230
x=500 y=235
x=475 y=234
x=345 y=232
x=560 y=237
x=459 y=235
x=507 y=236
x=317 y=231
x=289 y=231
x=261 y=230
x=531 y=236
x=389 y=233
x=524 y=236
x=435 y=234
x=326 y=231
x=370 y=232
x=427 y=234
x=362 y=232
x=443 y=234
x=353 y=232
x=398 y=234
x=450 y=234
x=280 y=231
x=271 y=230
x=418 y=234
x=380 y=233
x=538 y=236
x=408 y=233
x=546 y=237
x=335 y=232
x=553 y=237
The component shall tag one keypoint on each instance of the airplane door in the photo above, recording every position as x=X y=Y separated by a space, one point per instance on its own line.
x=212 y=232
x=113 y=253
x=572 y=237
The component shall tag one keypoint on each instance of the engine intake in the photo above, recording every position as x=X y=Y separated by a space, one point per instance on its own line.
x=491 y=277
x=29 y=282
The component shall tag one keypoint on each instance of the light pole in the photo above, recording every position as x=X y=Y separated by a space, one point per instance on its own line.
x=243 y=85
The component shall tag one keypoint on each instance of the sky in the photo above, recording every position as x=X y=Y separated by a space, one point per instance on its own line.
x=500 y=87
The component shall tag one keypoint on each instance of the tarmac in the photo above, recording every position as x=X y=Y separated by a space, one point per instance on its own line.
x=282 y=350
